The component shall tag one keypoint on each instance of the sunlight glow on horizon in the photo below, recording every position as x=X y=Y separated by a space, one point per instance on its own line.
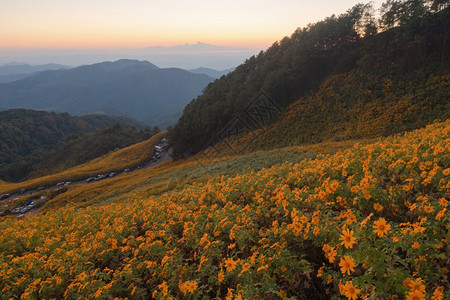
x=145 y=23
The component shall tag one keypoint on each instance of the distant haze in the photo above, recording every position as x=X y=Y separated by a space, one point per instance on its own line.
x=86 y=24
x=187 y=56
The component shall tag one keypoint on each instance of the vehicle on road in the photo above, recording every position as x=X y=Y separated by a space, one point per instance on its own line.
x=4 y=196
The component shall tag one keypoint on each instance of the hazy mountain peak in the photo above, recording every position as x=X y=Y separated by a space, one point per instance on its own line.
x=134 y=62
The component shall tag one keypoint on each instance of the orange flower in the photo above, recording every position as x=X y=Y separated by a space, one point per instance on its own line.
x=320 y=271
x=341 y=288
x=220 y=277
x=417 y=285
x=351 y=292
x=347 y=238
x=230 y=264
x=438 y=293
x=191 y=286
x=326 y=248
x=415 y=295
x=246 y=267
x=332 y=255
x=428 y=208
x=164 y=288
x=440 y=214
x=347 y=264
x=416 y=245
x=378 y=207
x=381 y=227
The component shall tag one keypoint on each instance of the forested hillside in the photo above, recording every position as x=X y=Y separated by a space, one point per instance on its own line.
x=25 y=131
x=409 y=41
x=75 y=150
x=352 y=105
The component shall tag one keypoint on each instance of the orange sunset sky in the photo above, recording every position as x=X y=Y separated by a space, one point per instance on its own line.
x=142 y=23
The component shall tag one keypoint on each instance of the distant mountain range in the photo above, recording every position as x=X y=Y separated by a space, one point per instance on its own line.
x=15 y=71
x=133 y=88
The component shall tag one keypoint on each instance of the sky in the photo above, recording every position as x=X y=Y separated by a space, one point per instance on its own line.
x=119 y=24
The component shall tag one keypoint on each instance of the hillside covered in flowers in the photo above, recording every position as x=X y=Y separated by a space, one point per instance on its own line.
x=334 y=186
x=370 y=220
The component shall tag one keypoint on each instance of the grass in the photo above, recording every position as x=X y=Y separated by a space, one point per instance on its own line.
x=116 y=161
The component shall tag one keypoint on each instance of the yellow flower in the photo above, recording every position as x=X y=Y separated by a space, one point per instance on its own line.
x=438 y=293
x=229 y=294
x=407 y=282
x=164 y=288
x=220 y=276
x=441 y=214
x=417 y=285
x=238 y=296
x=332 y=255
x=415 y=295
x=381 y=227
x=320 y=271
x=341 y=288
x=246 y=267
x=428 y=208
x=347 y=238
x=347 y=264
x=326 y=248
x=230 y=264
x=378 y=207
x=191 y=286
x=351 y=292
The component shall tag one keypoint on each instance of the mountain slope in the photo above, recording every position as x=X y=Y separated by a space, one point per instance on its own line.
x=127 y=157
x=352 y=105
x=298 y=65
x=75 y=150
x=130 y=88
x=24 y=131
x=254 y=235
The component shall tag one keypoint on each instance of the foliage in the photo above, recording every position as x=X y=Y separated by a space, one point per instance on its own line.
x=367 y=221
x=24 y=131
x=75 y=150
x=128 y=157
x=297 y=65
x=353 y=105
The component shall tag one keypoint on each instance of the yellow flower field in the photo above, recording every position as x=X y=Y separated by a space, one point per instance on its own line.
x=366 y=221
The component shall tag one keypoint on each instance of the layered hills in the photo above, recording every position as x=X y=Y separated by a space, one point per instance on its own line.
x=130 y=88
x=15 y=71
